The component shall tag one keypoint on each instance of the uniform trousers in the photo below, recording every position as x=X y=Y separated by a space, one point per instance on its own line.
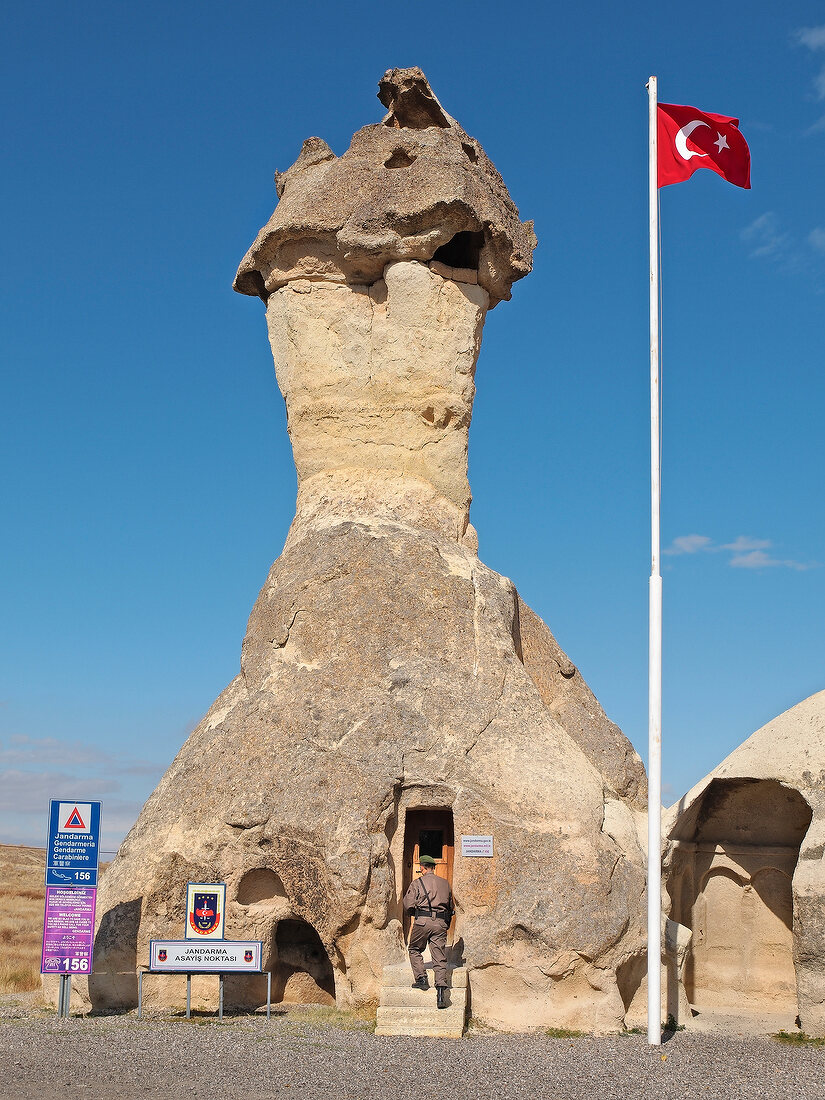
x=432 y=931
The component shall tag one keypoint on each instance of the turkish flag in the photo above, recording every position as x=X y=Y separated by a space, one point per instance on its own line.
x=690 y=139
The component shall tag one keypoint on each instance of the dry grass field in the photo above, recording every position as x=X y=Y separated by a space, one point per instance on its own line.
x=22 y=898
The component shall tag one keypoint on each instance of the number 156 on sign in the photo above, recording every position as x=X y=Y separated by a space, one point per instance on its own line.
x=75 y=964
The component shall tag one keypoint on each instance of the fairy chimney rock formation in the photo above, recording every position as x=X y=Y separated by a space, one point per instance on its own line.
x=387 y=676
x=377 y=269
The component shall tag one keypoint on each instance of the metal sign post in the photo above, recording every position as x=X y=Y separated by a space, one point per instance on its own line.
x=63 y=996
x=218 y=957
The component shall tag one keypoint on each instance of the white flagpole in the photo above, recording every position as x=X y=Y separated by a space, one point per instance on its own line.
x=654 y=797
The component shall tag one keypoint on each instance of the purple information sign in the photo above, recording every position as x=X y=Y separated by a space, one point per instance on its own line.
x=68 y=930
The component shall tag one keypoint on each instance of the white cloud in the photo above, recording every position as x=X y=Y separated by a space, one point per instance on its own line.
x=812 y=37
x=766 y=239
x=755 y=559
x=689 y=544
x=764 y=236
x=744 y=542
x=29 y=792
x=758 y=559
x=36 y=769
x=24 y=813
x=746 y=552
x=20 y=750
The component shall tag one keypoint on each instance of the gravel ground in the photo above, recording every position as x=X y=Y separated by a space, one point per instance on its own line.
x=322 y=1055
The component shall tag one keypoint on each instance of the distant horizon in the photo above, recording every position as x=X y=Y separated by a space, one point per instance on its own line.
x=666 y=807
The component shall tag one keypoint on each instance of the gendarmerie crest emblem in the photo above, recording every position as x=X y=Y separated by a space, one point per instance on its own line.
x=204 y=915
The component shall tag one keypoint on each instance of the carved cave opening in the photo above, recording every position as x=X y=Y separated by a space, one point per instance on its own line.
x=256 y=280
x=462 y=250
x=302 y=972
x=260 y=886
x=731 y=884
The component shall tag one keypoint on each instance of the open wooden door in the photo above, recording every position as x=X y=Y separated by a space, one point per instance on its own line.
x=427 y=833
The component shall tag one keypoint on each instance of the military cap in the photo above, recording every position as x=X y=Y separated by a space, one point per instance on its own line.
x=426 y=861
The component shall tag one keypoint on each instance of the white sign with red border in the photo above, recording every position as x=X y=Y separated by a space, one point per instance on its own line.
x=211 y=957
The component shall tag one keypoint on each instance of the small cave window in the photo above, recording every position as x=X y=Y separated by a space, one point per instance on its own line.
x=472 y=155
x=462 y=250
x=400 y=158
x=260 y=886
x=255 y=281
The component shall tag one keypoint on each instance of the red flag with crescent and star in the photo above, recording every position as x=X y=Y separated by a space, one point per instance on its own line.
x=689 y=139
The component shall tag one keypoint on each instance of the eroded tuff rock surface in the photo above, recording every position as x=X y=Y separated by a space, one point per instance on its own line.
x=379 y=389
x=385 y=670
x=405 y=188
x=745 y=873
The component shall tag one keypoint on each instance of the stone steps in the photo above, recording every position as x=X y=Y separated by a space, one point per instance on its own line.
x=406 y=1011
x=400 y=976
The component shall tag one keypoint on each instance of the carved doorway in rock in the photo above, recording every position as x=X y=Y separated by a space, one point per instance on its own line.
x=427 y=833
x=302 y=973
x=742 y=954
x=731 y=883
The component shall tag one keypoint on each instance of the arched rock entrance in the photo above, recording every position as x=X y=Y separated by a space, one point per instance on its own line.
x=302 y=972
x=735 y=852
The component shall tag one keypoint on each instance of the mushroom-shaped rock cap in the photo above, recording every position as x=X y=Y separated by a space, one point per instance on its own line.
x=412 y=187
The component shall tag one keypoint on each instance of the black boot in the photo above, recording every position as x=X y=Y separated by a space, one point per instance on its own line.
x=441 y=996
x=421 y=983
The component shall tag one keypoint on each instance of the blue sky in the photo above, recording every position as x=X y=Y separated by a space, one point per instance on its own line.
x=148 y=480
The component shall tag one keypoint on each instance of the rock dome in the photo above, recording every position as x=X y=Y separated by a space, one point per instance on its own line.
x=745 y=873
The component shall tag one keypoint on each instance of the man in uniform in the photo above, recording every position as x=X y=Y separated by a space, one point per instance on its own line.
x=431 y=902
